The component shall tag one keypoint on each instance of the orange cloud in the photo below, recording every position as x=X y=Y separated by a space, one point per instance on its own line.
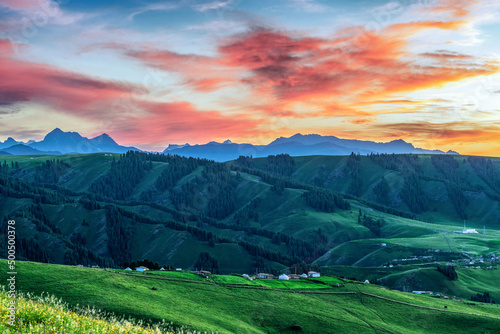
x=284 y=70
x=181 y=122
x=67 y=91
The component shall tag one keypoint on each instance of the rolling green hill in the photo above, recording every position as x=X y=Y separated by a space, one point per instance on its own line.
x=268 y=214
x=207 y=306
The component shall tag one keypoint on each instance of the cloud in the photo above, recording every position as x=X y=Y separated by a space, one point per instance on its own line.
x=349 y=67
x=202 y=73
x=26 y=15
x=447 y=133
x=152 y=8
x=68 y=91
x=309 y=6
x=180 y=122
x=215 y=5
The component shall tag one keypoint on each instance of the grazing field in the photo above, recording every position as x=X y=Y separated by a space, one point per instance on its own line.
x=209 y=307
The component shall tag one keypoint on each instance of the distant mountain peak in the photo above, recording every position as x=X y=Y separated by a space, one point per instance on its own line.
x=104 y=139
x=227 y=142
x=72 y=142
x=55 y=131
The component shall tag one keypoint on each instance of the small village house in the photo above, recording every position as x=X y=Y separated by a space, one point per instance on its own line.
x=264 y=275
x=313 y=274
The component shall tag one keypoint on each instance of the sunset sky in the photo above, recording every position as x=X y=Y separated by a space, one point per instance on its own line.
x=169 y=72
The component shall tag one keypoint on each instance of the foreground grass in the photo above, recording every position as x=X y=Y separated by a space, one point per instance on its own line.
x=215 y=308
x=47 y=314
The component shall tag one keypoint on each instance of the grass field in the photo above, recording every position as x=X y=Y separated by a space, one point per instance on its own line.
x=427 y=278
x=242 y=310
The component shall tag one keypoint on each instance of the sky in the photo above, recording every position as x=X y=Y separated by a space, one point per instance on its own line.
x=154 y=73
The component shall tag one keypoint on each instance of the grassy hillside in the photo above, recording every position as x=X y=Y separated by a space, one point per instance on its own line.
x=478 y=187
x=427 y=278
x=212 y=307
x=252 y=215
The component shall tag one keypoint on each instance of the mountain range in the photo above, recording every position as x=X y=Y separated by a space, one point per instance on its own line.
x=60 y=142
x=296 y=145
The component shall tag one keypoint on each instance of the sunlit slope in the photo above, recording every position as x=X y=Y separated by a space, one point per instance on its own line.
x=211 y=307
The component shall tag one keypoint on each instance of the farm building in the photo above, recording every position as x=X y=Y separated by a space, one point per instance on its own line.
x=313 y=274
x=264 y=275
x=284 y=277
x=128 y=268
x=293 y=276
x=303 y=276
x=467 y=231
x=141 y=268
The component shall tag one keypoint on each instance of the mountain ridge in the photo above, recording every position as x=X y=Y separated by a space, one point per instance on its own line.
x=60 y=142
x=297 y=145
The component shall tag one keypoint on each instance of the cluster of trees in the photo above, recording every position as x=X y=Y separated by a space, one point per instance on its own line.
x=221 y=185
x=354 y=167
x=35 y=213
x=373 y=225
x=31 y=250
x=485 y=169
x=404 y=163
x=457 y=197
x=12 y=187
x=268 y=254
x=123 y=176
x=248 y=212
x=90 y=204
x=483 y=298
x=79 y=254
x=4 y=167
x=145 y=263
x=177 y=169
x=381 y=191
x=118 y=235
x=413 y=195
x=288 y=182
x=207 y=262
x=50 y=171
x=211 y=193
x=245 y=161
x=448 y=271
x=304 y=268
x=324 y=200
x=282 y=164
x=447 y=165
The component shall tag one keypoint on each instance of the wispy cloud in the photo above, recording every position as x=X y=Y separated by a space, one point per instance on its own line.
x=309 y=6
x=215 y=5
x=36 y=13
x=153 y=8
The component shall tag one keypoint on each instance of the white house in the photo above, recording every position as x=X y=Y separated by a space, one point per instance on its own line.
x=467 y=231
x=178 y=269
x=162 y=269
x=303 y=276
x=128 y=268
x=265 y=275
x=141 y=268
x=284 y=277
x=313 y=274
